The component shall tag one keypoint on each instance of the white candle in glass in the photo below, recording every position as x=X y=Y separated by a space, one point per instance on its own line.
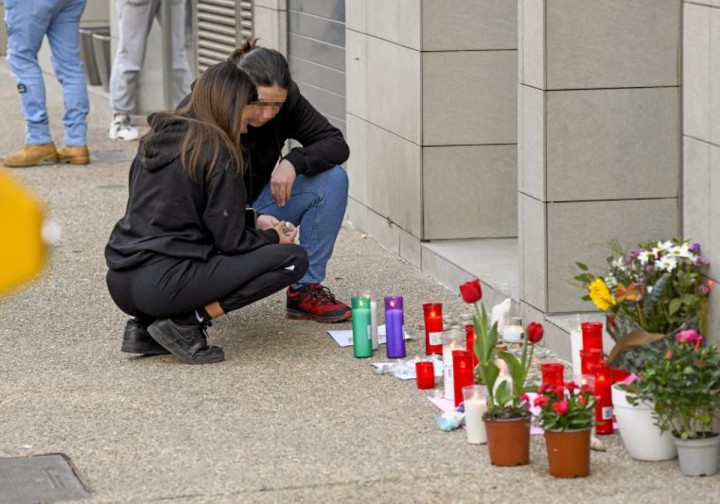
x=513 y=330
x=374 y=325
x=475 y=407
x=575 y=347
x=448 y=370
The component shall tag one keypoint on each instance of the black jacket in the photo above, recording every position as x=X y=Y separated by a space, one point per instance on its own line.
x=323 y=145
x=168 y=214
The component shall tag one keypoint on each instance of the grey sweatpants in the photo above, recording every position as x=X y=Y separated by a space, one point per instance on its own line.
x=135 y=18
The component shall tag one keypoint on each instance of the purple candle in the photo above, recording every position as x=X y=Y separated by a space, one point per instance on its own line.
x=394 y=327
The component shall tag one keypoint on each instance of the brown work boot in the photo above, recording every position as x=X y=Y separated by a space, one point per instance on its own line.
x=77 y=154
x=31 y=155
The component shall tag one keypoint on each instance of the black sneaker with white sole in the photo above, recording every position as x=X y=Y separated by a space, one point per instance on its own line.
x=186 y=342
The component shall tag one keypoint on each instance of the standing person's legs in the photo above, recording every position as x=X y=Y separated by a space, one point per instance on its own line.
x=176 y=293
x=135 y=18
x=182 y=77
x=65 y=46
x=317 y=204
x=26 y=25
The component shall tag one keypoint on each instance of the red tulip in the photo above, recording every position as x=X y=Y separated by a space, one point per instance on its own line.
x=471 y=291
x=535 y=332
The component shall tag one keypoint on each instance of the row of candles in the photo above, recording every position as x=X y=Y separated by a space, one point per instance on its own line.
x=459 y=359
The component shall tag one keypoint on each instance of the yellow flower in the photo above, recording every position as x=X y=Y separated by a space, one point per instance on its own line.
x=600 y=295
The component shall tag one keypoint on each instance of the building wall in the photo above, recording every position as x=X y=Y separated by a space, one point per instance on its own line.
x=701 y=136
x=599 y=136
x=431 y=120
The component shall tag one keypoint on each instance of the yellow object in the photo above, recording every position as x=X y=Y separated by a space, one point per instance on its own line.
x=22 y=249
x=600 y=295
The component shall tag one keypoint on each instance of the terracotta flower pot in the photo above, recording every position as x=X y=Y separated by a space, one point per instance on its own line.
x=508 y=441
x=568 y=453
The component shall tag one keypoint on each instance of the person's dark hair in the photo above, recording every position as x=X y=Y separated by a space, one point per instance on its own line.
x=266 y=67
x=214 y=117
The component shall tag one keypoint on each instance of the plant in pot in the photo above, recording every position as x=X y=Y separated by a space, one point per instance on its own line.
x=683 y=383
x=649 y=293
x=567 y=415
x=507 y=420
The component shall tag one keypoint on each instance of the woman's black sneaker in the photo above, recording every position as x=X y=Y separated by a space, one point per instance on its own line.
x=137 y=340
x=187 y=343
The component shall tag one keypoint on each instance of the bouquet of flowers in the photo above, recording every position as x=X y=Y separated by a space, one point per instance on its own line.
x=566 y=407
x=508 y=398
x=649 y=292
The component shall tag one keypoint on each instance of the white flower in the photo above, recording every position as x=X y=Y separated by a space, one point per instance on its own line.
x=666 y=245
x=645 y=256
x=610 y=282
x=667 y=263
x=681 y=251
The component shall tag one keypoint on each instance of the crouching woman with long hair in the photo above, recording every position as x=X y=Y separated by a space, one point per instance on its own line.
x=183 y=252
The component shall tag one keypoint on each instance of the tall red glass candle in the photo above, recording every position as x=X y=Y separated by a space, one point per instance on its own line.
x=470 y=343
x=553 y=373
x=462 y=373
x=425 y=373
x=604 y=407
x=592 y=333
x=433 y=328
x=618 y=374
x=589 y=357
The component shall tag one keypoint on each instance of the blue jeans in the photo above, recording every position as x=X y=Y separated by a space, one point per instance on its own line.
x=317 y=205
x=28 y=21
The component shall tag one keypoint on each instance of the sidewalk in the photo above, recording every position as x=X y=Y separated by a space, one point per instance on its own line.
x=289 y=417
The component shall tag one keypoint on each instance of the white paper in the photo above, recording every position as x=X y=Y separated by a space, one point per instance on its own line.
x=344 y=337
x=499 y=313
x=405 y=370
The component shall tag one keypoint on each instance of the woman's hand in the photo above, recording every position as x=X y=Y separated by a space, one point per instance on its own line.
x=286 y=231
x=281 y=182
x=266 y=222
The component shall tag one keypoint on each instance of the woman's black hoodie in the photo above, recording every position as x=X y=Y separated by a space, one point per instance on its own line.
x=170 y=215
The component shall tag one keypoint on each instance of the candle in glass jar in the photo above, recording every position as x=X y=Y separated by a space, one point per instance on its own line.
x=425 y=374
x=394 y=327
x=470 y=343
x=604 y=407
x=433 y=328
x=552 y=373
x=362 y=337
x=452 y=339
x=576 y=345
x=374 y=325
x=513 y=330
x=589 y=357
x=462 y=373
x=475 y=408
x=592 y=335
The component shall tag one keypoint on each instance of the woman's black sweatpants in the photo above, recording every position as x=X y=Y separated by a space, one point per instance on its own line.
x=166 y=287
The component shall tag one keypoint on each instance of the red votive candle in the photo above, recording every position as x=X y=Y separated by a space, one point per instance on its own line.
x=587 y=358
x=462 y=373
x=470 y=343
x=433 y=328
x=553 y=373
x=604 y=407
x=592 y=333
x=425 y=373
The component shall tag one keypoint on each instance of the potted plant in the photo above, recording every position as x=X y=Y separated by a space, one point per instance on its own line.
x=567 y=414
x=683 y=383
x=507 y=420
x=649 y=293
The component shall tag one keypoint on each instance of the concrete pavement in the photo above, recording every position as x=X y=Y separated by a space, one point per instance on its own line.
x=289 y=417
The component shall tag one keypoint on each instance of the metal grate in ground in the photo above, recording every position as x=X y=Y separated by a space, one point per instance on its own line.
x=44 y=478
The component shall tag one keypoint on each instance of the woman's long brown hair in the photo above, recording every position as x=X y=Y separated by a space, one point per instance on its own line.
x=214 y=117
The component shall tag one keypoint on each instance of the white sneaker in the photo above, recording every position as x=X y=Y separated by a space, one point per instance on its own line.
x=121 y=129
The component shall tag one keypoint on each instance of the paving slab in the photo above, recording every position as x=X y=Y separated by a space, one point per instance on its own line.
x=289 y=417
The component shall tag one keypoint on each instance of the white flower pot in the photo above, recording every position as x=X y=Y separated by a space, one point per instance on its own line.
x=698 y=457
x=642 y=438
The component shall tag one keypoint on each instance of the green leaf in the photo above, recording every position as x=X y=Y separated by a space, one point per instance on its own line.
x=582 y=266
x=690 y=299
x=674 y=306
x=503 y=395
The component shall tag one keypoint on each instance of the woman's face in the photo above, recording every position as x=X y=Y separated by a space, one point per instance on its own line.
x=270 y=100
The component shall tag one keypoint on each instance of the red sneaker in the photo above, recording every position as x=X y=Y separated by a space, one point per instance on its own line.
x=313 y=301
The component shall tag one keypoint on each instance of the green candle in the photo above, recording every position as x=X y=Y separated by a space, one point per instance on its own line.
x=362 y=337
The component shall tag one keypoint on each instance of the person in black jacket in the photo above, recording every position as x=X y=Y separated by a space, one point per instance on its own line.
x=307 y=186
x=183 y=253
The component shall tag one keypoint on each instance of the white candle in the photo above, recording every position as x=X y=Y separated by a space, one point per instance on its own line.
x=575 y=347
x=475 y=407
x=512 y=333
x=374 y=325
x=448 y=370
